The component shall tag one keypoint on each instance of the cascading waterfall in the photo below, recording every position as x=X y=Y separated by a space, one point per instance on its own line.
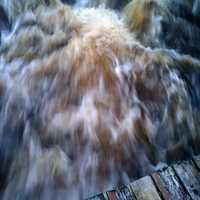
x=92 y=96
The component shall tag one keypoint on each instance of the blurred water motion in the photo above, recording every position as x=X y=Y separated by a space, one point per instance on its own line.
x=95 y=94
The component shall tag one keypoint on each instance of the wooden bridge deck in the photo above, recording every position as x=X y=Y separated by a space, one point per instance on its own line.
x=180 y=181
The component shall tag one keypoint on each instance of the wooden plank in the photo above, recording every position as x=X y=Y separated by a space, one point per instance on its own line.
x=144 y=189
x=180 y=182
x=121 y=193
x=168 y=184
x=112 y=195
x=99 y=197
x=190 y=177
x=197 y=161
x=124 y=193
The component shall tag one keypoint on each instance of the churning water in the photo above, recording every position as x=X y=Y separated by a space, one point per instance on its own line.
x=95 y=94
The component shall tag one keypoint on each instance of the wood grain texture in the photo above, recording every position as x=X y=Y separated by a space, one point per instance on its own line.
x=190 y=178
x=178 y=182
x=112 y=195
x=124 y=193
x=144 y=189
x=169 y=186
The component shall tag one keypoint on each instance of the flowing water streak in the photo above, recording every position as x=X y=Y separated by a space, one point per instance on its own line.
x=82 y=3
x=85 y=106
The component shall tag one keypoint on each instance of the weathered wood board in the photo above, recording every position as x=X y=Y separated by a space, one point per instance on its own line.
x=190 y=178
x=124 y=193
x=121 y=193
x=178 y=182
x=144 y=188
x=168 y=185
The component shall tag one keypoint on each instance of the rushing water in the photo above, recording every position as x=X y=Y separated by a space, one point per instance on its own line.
x=95 y=94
